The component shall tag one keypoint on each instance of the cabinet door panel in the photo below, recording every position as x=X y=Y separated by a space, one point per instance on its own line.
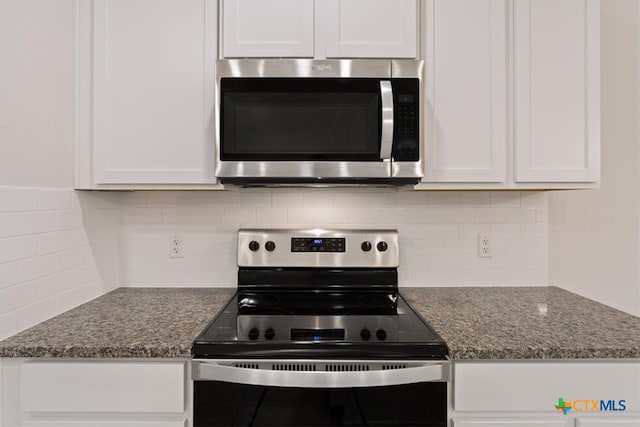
x=371 y=28
x=85 y=423
x=102 y=387
x=466 y=91
x=489 y=386
x=556 y=85
x=497 y=422
x=608 y=422
x=259 y=28
x=153 y=91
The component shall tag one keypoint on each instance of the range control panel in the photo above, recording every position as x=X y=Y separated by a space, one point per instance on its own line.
x=317 y=248
x=317 y=244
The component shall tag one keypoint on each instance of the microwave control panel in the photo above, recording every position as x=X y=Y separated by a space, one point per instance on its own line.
x=406 y=119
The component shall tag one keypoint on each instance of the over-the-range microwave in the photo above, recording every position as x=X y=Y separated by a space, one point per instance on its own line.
x=319 y=122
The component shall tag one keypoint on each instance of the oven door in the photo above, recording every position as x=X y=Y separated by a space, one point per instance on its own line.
x=319 y=393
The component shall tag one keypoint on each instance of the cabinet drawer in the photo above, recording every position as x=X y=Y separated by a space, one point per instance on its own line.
x=537 y=386
x=495 y=422
x=103 y=387
x=608 y=422
x=67 y=423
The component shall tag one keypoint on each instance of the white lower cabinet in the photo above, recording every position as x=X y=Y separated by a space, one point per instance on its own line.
x=95 y=393
x=604 y=422
x=527 y=393
x=511 y=423
x=68 y=423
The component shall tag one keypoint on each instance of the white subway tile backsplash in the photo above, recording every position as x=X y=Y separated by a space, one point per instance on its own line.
x=505 y=199
x=55 y=242
x=55 y=199
x=38 y=222
x=364 y=216
x=9 y=224
x=73 y=258
x=445 y=199
x=471 y=199
x=239 y=215
x=13 y=273
x=438 y=237
x=489 y=215
x=35 y=313
x=82 y=275
x=18 y=199
x=46 y=258
x=15 y=248
x=18 y=296
x=54 y=284
x=533 y=199
x=520 y=216
x=268 y=215
x=542 y=216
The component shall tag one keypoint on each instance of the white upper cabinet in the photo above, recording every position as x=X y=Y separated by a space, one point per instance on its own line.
x=557 y=90
x=371 y=28
x=466 y=110
x=259 y=28
x=512 y=94
x=320 y=28
x=152 y=92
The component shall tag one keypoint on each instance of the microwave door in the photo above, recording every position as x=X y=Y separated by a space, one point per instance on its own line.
x=386 y=106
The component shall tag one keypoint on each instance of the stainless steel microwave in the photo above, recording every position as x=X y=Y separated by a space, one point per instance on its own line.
x=319 y=122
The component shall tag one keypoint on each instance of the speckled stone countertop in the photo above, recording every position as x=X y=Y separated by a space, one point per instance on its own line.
x=476 y=323
x=525 y=323
x=127 y=322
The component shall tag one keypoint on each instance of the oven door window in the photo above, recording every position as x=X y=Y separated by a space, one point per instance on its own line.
x=218 y=404
x=272 y=119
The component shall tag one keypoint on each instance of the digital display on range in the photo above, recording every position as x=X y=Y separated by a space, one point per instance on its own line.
x=317 y=334
x=317 y=244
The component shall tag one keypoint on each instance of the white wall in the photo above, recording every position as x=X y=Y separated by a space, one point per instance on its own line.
x=438 y=232
x=58 y=248
x=37 y=93
x=594 y=236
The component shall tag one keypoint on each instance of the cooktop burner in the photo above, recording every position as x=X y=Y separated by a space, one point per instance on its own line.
x=318 y=294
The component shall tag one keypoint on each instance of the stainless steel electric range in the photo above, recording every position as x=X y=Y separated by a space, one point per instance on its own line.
x=319 y=335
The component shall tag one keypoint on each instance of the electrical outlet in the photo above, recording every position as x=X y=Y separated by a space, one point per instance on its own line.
x=175 y=247
x=484 y=246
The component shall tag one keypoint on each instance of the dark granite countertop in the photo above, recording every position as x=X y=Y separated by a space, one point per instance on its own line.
x=526 y=323
x=127 y=322
x=476 y=323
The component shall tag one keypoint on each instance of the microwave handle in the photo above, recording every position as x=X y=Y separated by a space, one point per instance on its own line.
x=386 y=139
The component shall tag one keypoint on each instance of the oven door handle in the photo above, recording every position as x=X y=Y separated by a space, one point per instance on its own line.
x=212 y=371
x=386 y=107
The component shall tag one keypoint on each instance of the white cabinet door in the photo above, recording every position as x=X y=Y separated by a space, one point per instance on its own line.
x=608 y=422
x=466 y=54
x=153 y=79
x=97 y=387
x=268 y=28
x=85 y=423
x=557 y=90
x=530 y=386
x=497 y=422
x=371 y=28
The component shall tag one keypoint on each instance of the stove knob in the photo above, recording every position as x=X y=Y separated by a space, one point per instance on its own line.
x=270 y=246
x=365 y=334
x=269 y=334
x=381 y=334
x=382 y=246
x=366 y=246
x=254 y=246
x=254 y=333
